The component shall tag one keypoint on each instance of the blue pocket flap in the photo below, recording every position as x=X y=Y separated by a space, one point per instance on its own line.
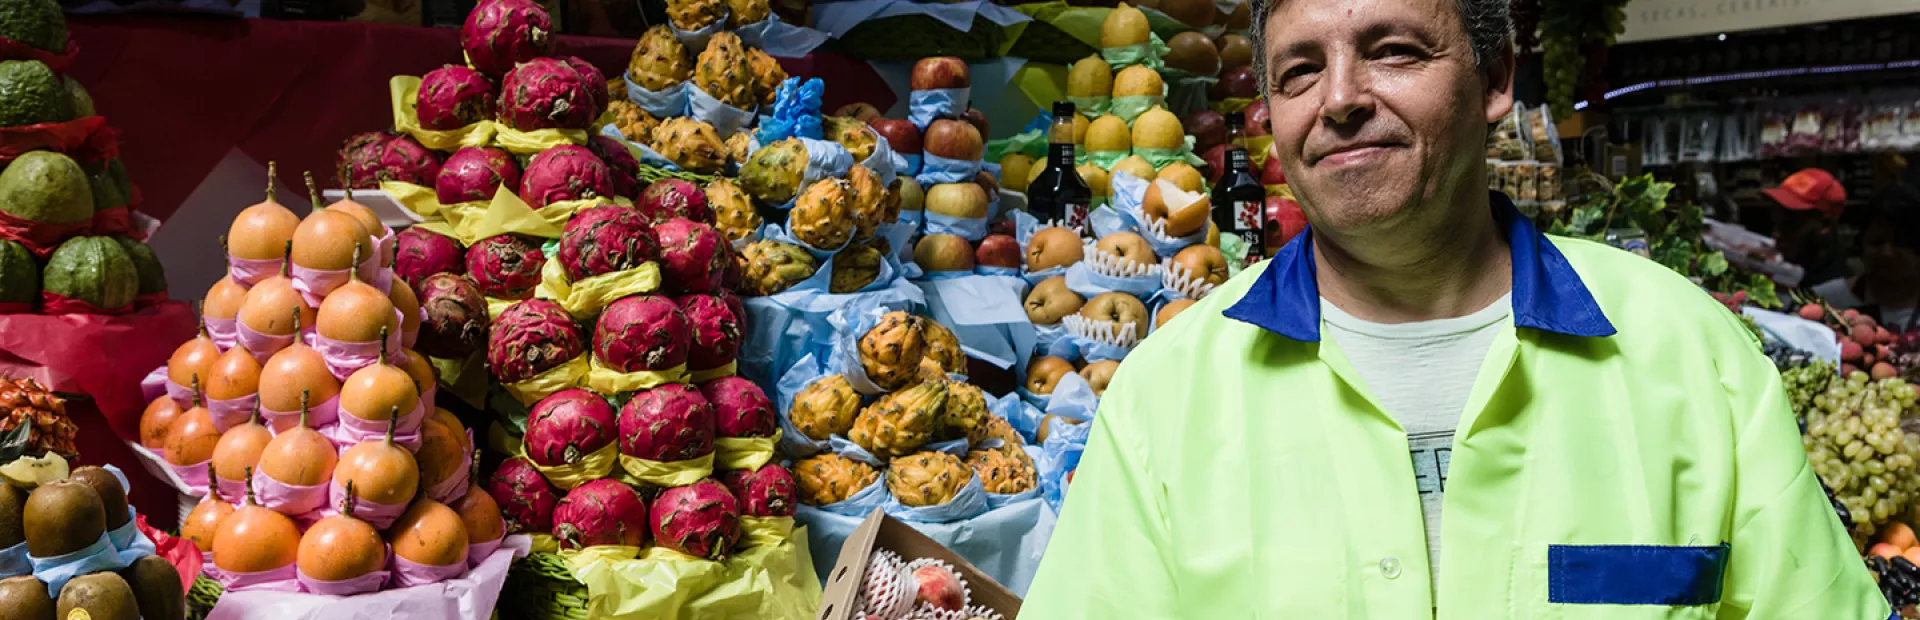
x=1635 y=574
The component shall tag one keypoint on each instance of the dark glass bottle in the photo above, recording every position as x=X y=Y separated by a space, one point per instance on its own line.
x=1239 y=201
x=1059 y=197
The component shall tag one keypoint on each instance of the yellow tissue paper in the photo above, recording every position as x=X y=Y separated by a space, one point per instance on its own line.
x=585 y=298
x=774 y=582
x=703 y=376
x=606 y=380
x=668 y=473
x=744 y=452
x=404 y=90
x=594 y=466
x=558 y=378
x=530 y=142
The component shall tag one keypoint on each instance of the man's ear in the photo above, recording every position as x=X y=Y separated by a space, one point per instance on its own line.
x=1497 y=77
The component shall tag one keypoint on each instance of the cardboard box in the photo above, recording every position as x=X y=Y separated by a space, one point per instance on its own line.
x=880 y=531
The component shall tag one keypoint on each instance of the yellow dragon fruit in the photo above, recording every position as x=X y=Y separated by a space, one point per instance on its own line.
x=743 y=12
x=695 y=14
x=853 y=134
x=873 y=203
x=659 y=62
x=693 y=144
x=855 y=268
x=1010 y=440
x=767 y=74
x=1002 y=474
x=900 y=423
x=891 y=351
x=927 y=478
x=737 y=145
x=831 y=478
x=632 y=121
x=732 y=210
x=943 y=347
x=774 y=266
x=725 y=72
x=774 y=172
x=825 y=408
x=966 y=413
x=823 y=216
x=930 y=371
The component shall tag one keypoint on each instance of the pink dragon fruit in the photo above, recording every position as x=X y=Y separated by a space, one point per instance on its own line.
x=474 y=173
x=360 y=159
x=605 y=239
x=525 y=497
x=452 y=97
x=701 y=519
x=732 y=275
x=532 y=337
x=642 y=332
x=547 y=93
x=568 y=425
x=670 y=198
x=596 y=81
x=565 y=172
x=672 y=422
x=505 y=266
x=601 y=512
x=765 y=492
x=716 y=331
x=740 y=409
x=693 y=256
x=407 y=161
x=456 y=321
x=421 y=253
x=499 y=34
x=620 y=162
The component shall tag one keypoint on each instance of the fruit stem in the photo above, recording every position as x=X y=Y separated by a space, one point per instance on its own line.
x=383 y=344
x=255 y=417
x=249 y=480
x=195 y=380
x=346 y=504
x=393 y=423
x=223 y=244
x=273 y=170
x=313 y=191
x=353 y=273
x=286 y=260
x=304 y=395
x=200 y=313
x=296 y=323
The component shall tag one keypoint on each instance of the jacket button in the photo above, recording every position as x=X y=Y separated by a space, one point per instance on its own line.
x=1390 y=568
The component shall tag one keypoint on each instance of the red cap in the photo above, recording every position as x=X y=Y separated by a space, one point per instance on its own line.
x=1811 y=189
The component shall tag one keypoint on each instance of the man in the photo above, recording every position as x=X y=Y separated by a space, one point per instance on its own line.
x=1806 y=206
x=1602 y=438
x=1889 y=288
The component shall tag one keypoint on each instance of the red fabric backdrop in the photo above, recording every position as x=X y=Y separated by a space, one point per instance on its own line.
x=185 y=91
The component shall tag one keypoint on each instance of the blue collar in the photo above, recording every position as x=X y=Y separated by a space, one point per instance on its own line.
x=1547 y=293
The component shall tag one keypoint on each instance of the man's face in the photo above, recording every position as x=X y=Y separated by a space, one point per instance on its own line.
x=1796 y=234
x=1379 y=112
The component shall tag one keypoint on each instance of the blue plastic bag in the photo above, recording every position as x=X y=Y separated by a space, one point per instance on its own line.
x=725 y=119
x=94 y=558
x=13 y=561
x=795 y=113
x=850 y=322
x=667 y=103
x=779 y=38
x=1006 y=543
x=923 y=106
x=970 y=502
x=935 y=170
x=972 y=229
x=696 y=40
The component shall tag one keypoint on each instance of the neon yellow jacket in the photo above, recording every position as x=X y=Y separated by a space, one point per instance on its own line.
x=1627 y=453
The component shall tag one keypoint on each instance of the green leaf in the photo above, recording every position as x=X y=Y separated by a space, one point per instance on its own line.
x=1713 y=264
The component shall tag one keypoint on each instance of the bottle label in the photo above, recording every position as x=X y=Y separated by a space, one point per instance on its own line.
x=1246 y=215
x=1062 y=155
x=1237 y=160
x=1256 y=246
x=1076 y=217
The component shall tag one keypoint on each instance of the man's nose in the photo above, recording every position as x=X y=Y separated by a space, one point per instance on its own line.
x=1348 y=96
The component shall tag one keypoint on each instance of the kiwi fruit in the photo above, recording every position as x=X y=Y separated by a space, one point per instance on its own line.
x=156 y=588
x=24 y=598
x=62 y=517
x=104 y=596
x=13 y=501
x=113 y=497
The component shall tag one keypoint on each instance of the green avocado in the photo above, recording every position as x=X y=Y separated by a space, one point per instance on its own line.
x=153 y=278
x=95 y=270
x=106 y=192
x=31 y=94
x=82 y=100
x=19 y=283
x=118 y=172
x=44 y=186
x=38 y=23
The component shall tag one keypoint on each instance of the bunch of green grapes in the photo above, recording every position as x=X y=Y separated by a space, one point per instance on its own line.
x=1804 y=383
x=1856 y=445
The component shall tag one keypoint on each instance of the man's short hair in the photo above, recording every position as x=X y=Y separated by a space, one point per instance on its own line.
x=1488 y=23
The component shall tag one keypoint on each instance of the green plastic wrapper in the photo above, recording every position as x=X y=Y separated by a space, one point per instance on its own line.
x=1081 y=23
x=1186 y=90
x=1033 y=143
x=1149 y=54
x=1092 y=107
x=1130 y=108
x=1161 y=157
x=764 y=581
x=1106 y=159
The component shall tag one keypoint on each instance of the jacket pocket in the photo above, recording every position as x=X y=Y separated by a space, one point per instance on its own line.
x=1638 y=575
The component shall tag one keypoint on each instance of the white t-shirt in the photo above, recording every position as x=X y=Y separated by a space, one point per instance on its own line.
x=1422 y=373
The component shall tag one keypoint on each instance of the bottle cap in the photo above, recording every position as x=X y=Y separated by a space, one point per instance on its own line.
x=1062 y=109
x=1236 y=119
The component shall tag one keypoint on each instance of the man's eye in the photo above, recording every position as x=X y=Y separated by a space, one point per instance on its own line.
x=1401 y=51
x=1297 y=76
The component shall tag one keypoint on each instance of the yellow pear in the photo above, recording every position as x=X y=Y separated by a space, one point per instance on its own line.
x=1097 y=179
x=1136 y=166
x=1090 y=77
x=1158 y=129
x=1138 y=81
x=1124 y=26
x=1108 y=133
x=1183 y=175
x=1013 y=171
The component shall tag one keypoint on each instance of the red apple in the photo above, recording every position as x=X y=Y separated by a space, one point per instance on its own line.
x=1216 y=159
x=1285 y=220
x=1257 y=118
x=1236 y=82
x=900 y=134
x=998 y=251
x=1270 y=172
x=1002 y=227
x=954 y=139
x=979 y=120
x=940 y=72
x=1207 y=128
